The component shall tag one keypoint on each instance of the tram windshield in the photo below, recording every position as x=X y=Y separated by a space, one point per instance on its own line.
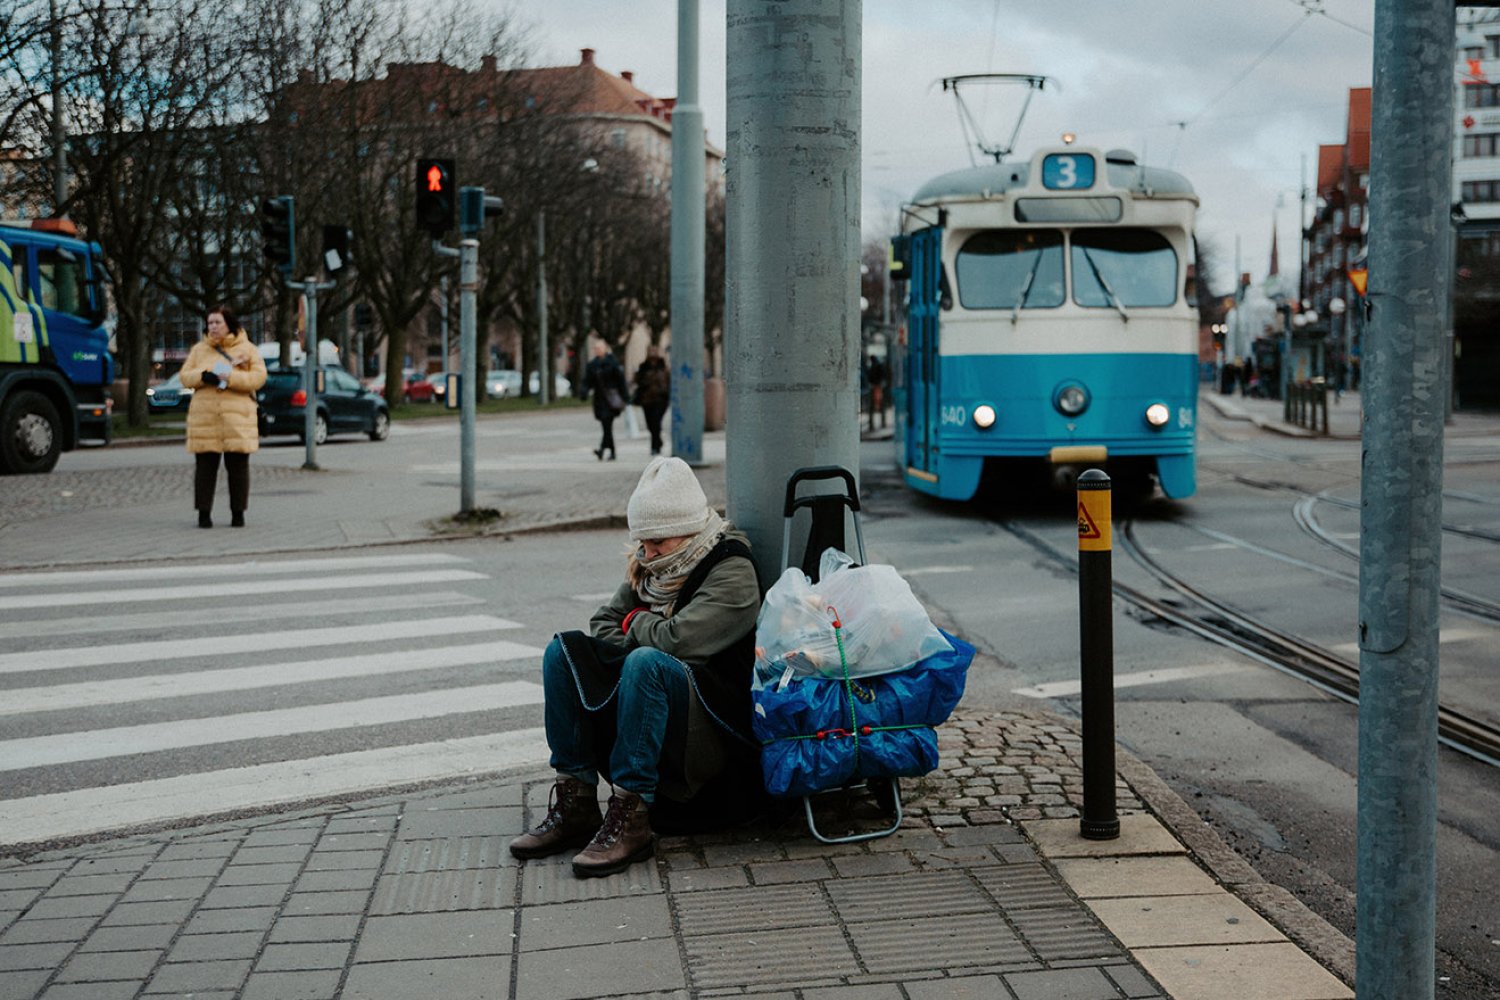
x=1010 y=269
x=1119 y=268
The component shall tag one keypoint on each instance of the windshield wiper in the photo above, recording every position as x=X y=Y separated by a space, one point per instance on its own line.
x=1114 y=299
x=1015 y=313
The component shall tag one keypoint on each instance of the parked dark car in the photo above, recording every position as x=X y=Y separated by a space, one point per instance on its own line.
x=344 y=406
x=169 y=396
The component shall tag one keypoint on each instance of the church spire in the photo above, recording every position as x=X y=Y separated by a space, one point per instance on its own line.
x=1275 y=259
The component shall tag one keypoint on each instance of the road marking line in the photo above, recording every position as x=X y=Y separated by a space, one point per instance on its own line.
x=595 y=599
x=94 y=810
x=1064 y=689
x=92 y=694
x=932 y=570
x=239 y=588
x=1444 y=635
x=127 y=741
x=209 y=644
x=158 y=621
x=1211 y=547
x=178 y=570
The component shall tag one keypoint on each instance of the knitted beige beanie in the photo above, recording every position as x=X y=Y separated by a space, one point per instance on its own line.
x=667 y=502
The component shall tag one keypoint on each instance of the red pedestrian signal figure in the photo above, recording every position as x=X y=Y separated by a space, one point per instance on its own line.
x=437 y=208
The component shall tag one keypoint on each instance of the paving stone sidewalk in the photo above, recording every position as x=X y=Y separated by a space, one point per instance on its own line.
x=411 y=896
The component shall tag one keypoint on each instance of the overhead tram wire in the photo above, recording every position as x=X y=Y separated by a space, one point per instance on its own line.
x=1280 y=39
x=1316 y=7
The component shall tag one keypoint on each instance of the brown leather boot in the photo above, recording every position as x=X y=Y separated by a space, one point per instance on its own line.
x=572 y=817
x=624 y=839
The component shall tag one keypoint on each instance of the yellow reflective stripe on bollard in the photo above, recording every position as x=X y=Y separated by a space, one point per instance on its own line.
x=1094 y=521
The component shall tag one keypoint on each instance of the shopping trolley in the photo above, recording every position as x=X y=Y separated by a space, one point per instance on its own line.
x=831 y=734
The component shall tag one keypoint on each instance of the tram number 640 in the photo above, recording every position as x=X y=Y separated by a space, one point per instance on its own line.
x=955 y=415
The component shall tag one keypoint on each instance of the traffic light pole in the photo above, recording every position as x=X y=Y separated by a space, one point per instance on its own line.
x=310 y=359
x=468 y=286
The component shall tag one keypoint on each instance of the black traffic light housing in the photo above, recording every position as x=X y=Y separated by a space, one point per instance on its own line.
x=437 y=201
x=338 y=247
x=474 y=207
x=278 y=227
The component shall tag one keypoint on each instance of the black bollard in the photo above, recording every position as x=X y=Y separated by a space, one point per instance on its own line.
x=1097 y=657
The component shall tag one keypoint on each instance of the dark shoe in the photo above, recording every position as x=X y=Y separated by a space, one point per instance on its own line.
x=599 y=454
x=237 y=519
x=624 y=839
x=612 y=455
x=572 y=817
x=204 y=521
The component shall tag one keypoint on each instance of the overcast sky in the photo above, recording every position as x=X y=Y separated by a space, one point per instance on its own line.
x=1260 y=83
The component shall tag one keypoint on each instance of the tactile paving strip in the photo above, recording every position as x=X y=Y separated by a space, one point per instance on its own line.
x=936 y=943
x=1017 y=887
x=447 y=854
x=725 y=911
x=433 y=892
x=760 y=957
x=892 y=897
x=1063 y=933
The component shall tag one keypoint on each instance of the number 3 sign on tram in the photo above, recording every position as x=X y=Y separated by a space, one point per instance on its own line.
x=1067 y=171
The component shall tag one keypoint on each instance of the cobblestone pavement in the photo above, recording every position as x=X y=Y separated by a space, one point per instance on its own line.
x=28 y=497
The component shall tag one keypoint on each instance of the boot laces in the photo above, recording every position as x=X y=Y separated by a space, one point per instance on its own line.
x=614 y=821
x=558 y=802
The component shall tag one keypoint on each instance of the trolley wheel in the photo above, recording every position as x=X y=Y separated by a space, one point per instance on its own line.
x=883 y=791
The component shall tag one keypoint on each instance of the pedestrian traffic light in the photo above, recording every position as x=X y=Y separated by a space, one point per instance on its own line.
x=278 y=226
x=436 y=204
x=338 y=244
x=474 y=206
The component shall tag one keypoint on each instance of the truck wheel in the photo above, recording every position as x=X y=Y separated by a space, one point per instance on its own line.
x=30 y=434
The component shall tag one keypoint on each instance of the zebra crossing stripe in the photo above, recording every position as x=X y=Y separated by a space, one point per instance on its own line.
x=92 y=694
x=158 y=620
x=126 y=741
x=252 y=642
x=235 y=587
x=166 y=800
x=215 y=570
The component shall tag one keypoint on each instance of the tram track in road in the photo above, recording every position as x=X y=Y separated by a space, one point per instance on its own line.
x=1460 y=601
x=1231 y=628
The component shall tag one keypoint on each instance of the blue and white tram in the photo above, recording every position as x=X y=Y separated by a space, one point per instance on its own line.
x=1047 y=321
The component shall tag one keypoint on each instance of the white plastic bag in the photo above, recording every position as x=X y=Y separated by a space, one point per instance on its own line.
x=883 y=626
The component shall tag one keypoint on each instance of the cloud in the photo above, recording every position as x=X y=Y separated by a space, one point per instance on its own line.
x=1125 y=73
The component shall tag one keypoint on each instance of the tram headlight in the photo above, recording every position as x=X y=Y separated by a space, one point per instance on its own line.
x=984 y=416
x=1157 y=414
x=1071 y=400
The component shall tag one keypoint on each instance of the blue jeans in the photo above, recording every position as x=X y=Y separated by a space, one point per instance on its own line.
x=652 y=696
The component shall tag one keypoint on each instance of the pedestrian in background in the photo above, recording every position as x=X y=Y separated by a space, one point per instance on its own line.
x=224 y=369
x=656 y=695
x=653 y=392
x=877 y=376
x=604 y=380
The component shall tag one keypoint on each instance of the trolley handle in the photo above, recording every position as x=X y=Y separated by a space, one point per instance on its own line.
x=814 y=473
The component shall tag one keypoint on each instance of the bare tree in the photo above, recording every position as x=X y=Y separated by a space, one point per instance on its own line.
x=141 y=99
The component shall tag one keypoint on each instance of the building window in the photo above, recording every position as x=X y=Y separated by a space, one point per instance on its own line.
x=1482 y=144
x=1480 y=191
x=1481 y=95
x=1492 y=46
x=1354 y=215
x=1474 y=52
x=617 y=138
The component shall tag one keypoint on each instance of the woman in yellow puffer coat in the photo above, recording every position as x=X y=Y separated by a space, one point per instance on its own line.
x=224 y=369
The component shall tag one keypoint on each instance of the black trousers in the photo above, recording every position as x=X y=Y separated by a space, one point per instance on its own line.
x=654 y=413
x=607 y=442
x=236 y=465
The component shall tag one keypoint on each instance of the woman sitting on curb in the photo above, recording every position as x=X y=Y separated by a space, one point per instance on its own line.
x=657 y=695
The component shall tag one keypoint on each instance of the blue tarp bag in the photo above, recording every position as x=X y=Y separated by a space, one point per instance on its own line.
x=819 y=733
